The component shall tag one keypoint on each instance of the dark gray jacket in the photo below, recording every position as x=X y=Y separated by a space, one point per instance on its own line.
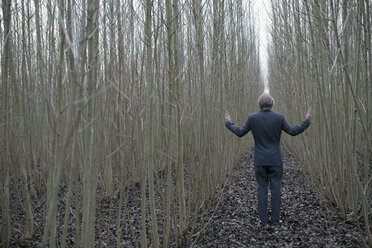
x=267 y=127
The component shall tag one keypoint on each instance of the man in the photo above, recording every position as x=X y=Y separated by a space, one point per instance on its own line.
x=266 y=127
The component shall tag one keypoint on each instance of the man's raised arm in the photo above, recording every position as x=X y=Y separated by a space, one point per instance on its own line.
x=240 y=132
x=299 y=128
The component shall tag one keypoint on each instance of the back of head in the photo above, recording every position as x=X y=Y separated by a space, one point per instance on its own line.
x=265 y=101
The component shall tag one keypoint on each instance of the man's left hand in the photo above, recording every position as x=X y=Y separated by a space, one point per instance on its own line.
x=227 y=116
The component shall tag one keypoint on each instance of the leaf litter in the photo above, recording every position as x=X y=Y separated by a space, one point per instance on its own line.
x=306 y=219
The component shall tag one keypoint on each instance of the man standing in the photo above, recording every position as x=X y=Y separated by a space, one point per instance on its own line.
x=266 y=127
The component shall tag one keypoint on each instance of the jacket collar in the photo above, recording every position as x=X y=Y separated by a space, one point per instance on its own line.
x=265 y=110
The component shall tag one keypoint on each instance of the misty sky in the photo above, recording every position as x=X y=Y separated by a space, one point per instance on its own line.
x=261 y=9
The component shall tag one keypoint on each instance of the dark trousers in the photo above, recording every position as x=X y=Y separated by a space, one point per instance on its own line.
x=264 y=176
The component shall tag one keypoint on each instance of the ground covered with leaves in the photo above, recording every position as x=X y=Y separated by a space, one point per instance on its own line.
x=307 y=221
x=232 y=221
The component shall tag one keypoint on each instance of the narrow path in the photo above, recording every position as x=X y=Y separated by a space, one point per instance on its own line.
x=307 y=221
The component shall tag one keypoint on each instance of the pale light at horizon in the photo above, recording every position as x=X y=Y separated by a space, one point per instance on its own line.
x=262 y=8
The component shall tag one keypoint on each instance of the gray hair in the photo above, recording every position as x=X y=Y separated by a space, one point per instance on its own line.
x=265 y=102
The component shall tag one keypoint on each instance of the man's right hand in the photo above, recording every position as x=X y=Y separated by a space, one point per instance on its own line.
x=308 y=115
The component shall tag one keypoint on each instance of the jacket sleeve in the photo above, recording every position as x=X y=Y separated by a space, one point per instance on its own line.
x=297 y=129
x=240 y=132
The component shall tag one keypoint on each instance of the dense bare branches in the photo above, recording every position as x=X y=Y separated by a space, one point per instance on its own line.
x=321 y=55
x=106 y=96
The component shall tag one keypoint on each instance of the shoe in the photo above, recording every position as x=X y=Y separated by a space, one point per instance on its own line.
x=262 y=224
x=277 y=223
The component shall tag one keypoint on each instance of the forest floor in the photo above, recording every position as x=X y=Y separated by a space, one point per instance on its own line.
x=307 y=220
x=232 y=221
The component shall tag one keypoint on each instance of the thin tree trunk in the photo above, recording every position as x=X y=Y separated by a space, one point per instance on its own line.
x=5 y=177
x=150 y=128
x=90 y=164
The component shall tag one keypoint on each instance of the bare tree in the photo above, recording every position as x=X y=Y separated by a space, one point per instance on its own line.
x=325 y=40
